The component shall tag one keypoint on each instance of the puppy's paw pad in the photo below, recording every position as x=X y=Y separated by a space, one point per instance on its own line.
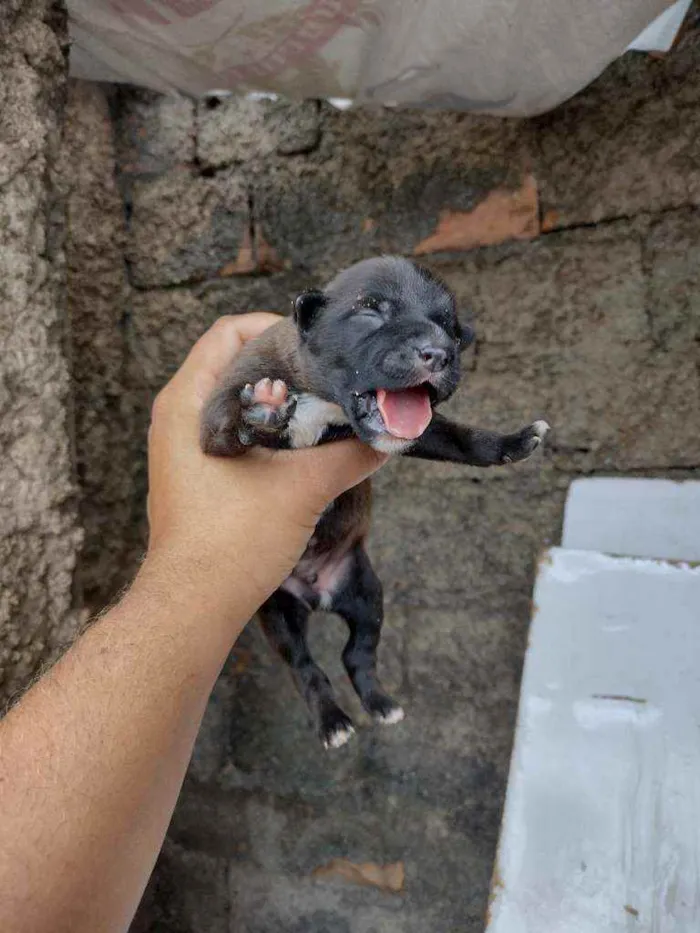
x=267 y=392
x=267 y=404
x=337 y=730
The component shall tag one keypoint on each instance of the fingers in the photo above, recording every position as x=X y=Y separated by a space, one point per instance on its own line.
x=218 y=347
x=331 y=469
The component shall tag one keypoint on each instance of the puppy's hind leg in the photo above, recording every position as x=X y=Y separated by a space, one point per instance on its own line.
x=284 y=620
x=359 y=601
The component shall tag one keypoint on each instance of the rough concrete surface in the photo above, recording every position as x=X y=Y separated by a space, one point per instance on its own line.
x=174 y=213
x=584 y=348
x=597 y=157
x=211 y=229
x=98 y=304
x=154 y=133
x=40 y=533
x=237 y=130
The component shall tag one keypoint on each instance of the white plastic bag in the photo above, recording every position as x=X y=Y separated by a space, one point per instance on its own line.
x=506 y=57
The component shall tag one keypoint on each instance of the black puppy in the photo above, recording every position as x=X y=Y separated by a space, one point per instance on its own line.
x=370 y=355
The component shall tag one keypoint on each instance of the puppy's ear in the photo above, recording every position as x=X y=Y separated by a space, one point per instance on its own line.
x=465 y=335
x=307 y=307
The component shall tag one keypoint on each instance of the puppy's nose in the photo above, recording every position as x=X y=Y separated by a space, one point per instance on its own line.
x=433 y=358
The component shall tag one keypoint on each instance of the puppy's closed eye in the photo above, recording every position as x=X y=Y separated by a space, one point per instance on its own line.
x=373 y=303
x=371 y=309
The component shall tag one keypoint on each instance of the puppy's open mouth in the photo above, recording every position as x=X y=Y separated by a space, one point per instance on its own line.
x=403 y=413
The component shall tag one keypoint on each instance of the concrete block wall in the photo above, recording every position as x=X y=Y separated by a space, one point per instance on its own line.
x=40 y=532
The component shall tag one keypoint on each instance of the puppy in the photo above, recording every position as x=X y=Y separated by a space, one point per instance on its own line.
x=371 y=355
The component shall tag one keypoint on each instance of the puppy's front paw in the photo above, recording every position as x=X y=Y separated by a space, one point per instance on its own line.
x=266 y=407
x=524 y=443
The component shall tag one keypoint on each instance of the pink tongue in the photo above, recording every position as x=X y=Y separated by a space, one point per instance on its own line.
x=406 y=413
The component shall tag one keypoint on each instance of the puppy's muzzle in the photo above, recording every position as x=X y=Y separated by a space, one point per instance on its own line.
x=434 y=359
x=413 y=364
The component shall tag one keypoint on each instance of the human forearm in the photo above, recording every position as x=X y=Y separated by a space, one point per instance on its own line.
x=92 y=760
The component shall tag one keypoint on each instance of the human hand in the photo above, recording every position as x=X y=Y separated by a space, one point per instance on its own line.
x=234 y=529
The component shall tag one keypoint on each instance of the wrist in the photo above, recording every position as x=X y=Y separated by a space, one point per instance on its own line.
x=213 y=599
x=190 y=627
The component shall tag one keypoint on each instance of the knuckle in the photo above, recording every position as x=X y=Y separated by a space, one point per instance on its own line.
x=226 y=326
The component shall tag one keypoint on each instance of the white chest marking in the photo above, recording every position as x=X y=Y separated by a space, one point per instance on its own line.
x=311 y=418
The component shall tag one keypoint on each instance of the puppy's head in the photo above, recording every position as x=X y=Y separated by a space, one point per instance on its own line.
x=383 y=341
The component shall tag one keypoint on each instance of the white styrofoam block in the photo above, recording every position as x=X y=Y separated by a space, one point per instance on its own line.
x=601 y=829
x=661 y=32
x=634 y=517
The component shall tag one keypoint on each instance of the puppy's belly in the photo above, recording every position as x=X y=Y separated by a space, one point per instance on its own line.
x=317 y=578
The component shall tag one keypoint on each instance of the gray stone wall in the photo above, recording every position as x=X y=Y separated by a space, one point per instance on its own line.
x=573 y=241
x=98 y=301
x=39 y=529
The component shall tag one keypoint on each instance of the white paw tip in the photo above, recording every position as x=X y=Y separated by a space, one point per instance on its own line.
x=540 y=428
x=393 y=716
x=339 y=738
